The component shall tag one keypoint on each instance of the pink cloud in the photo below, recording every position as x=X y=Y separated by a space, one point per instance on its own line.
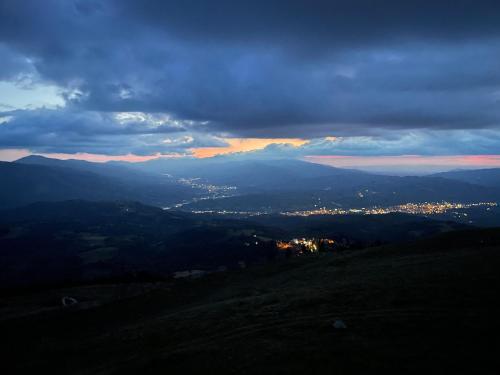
x=14 y=154
x=410 y=161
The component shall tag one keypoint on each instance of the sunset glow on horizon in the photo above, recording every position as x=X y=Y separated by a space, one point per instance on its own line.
x=411 y=161
x=244 y=145
x=11 y=155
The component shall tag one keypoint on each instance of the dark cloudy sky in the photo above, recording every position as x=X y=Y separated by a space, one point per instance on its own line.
x=119 y=77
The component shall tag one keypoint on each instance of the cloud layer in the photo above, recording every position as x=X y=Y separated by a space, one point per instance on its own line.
x=371 y=71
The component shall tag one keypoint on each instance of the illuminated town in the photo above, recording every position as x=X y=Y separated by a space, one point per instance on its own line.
x=216 y=190
x=299 y=246
x=427 y=208
x=211 y=191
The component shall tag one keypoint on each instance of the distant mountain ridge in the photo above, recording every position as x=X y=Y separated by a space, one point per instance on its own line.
x=35 y=179
x=246 y=174
x=485 y=177
x=119 y=171
x=275 y=184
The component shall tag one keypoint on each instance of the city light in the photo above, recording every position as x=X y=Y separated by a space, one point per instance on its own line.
x=426 y=208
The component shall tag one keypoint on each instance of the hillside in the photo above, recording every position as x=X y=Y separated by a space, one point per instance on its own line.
x=251 y=175
x=425 y=307
x=79 y=241
x=485 y=177
x=55 y=180
x=121 y=172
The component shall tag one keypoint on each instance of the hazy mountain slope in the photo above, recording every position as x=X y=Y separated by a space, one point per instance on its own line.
x=428 y=307
x=256 y=174
x=302 y=180
x=121 y=171
x=26 y=183
x=485 y=177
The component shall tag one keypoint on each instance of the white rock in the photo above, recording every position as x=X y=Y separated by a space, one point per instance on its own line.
x=339 y=324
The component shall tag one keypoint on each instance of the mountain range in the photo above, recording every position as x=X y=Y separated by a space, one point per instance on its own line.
x=35 y=178
x=273 y=185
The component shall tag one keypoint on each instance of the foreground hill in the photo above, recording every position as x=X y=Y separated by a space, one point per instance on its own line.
x=426 y=307
x=80 y=241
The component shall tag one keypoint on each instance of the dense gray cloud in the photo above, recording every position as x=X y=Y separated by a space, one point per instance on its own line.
x=420 y=142
x=325 y=21
x=13 y=66
x=66 y=131
x=253 y=68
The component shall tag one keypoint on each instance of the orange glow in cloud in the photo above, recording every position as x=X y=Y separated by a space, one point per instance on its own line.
x=250 y=144
x=244 y=145
x=234 y=145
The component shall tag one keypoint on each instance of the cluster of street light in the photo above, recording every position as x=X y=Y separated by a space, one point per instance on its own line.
x=426 y=208
x=196 y=183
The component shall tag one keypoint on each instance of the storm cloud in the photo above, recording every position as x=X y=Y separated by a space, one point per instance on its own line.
x=273 y=69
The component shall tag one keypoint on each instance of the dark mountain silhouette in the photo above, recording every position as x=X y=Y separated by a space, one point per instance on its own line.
x=485 y=177
x=36 y=179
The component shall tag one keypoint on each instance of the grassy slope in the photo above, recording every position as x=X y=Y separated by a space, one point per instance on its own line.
x=428 y=306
